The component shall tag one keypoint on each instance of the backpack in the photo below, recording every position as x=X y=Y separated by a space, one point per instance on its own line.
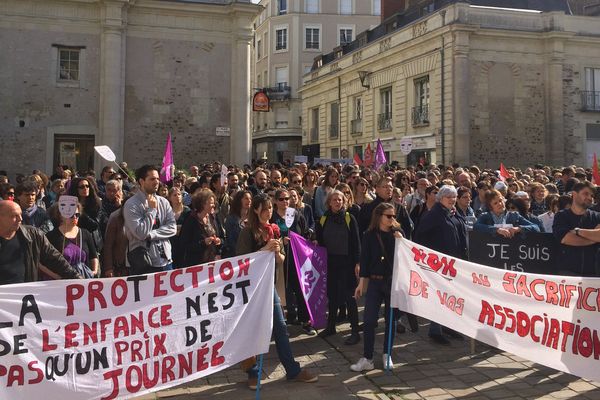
x=346 y=217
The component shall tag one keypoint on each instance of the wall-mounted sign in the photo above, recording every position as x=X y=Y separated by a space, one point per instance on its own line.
x=260 y=102
x=223 y=131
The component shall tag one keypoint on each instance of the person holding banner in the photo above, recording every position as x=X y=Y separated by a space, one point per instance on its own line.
x=260 y=235
x=499 y=221
x=376 y=269
x=337 y=231
x=443 y=229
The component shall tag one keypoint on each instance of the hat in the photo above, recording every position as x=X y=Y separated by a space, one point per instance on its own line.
x=500 y=186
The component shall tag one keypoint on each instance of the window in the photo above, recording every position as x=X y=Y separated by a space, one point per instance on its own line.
x=427 y=9
x=420 y=113
x=281 y=76
x=312 y=38
x=346 y=7
x=384 y=121
x=306 y=69
x=335 y=153
x=358 y=150
x=281 y=7
x=314 y=125
x=356 y=123
x=590 y=100
x=281 y=117
x=345 y=35
x=68 y=64
x=376 y=7
x=311 y=6
x=258 y=49
x=334 y=120
x=281 y=40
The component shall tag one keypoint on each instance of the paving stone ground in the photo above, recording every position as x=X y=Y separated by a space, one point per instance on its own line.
x=423 y=370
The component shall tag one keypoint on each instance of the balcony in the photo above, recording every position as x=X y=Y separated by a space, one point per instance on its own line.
x=356 y=127
x=384 y=121
x=590 y=101
x=420 y=115
x=334 y=131
x=314 y=134
x=279 y=93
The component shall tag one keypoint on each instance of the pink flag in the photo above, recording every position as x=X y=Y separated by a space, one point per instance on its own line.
x=167 y=162
x=379 y=155
x=311 y=266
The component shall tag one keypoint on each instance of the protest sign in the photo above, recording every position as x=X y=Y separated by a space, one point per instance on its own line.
x=311 y=267
x=549 y=320
x=123 y=337
x=526 y=252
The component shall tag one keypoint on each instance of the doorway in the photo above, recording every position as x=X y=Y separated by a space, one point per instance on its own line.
x=76 y=151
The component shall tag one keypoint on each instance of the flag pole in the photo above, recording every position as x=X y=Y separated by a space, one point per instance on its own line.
x=260 y=368
x=389 y=346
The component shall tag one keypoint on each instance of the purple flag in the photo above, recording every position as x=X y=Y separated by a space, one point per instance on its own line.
x=311 y=266
x=167 y=163
x=379 y=155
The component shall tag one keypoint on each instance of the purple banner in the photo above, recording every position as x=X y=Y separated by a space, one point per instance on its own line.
x=311 y=266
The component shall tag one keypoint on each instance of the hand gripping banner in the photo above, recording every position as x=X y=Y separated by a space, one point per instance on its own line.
x=550 y=320
x=123 y=337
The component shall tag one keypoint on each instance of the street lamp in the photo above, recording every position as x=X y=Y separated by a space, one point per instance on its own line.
x=365 y=80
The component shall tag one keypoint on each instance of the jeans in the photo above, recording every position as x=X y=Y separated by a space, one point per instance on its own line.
x=282 y=343
x=378 y=291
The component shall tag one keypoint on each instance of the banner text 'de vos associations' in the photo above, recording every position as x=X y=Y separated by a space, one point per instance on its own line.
x=551 y=320
x=123 y=337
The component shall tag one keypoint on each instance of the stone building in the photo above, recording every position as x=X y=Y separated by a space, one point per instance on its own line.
x=289 y=34
x=465 y=82
x=124 y=73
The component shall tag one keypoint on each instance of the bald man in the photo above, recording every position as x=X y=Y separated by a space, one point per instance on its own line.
x=23 y=248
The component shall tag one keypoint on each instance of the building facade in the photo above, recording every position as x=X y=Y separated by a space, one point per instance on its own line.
x=124 y=73
x=288 y=35
x=462 y=83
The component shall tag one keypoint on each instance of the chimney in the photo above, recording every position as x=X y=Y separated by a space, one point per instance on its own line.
x=391 y=7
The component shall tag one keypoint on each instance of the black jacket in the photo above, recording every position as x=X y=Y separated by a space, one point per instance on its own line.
x=353 y=237
x=444 y=231
x=38 y=250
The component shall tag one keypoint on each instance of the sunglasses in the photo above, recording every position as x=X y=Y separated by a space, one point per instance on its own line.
x=10 y=194
x=296 y=182
x=284 y=199
x=83 y=187
x=389 y=216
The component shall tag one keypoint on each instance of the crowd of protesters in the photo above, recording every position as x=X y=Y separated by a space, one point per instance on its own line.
x=127 y=223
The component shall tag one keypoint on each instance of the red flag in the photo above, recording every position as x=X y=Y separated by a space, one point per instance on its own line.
x=595 y=172
x=357 y=160
x=368 y=159
x=504 y=174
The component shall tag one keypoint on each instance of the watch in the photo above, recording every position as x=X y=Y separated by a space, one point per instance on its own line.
x=576 y=231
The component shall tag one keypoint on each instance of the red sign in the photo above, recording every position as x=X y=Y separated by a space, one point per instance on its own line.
x=260 y=102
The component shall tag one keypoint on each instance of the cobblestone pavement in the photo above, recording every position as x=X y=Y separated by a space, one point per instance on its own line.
x=423 y=370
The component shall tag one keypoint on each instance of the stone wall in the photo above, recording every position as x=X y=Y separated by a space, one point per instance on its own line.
x=507 y=114
x=184 y=99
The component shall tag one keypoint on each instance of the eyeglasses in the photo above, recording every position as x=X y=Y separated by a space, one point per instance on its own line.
x=83 y=187
x=284 y=199
x=295 y=182
x=10 y=194
x=389 y=216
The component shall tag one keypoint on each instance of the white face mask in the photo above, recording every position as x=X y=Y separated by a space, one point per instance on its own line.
x=67 y=205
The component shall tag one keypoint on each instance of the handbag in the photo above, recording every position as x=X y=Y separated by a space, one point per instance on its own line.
x=139 y=258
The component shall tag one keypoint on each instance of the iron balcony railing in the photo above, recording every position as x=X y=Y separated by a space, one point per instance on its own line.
x=279 y=92
x=590 y=101
x=356 y=126
x=384 y=121
x=420 y=115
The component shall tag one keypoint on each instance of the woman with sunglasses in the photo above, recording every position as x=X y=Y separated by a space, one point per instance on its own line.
x=376 y=269
x=260 y=235
x=361 y=192
x=7 y=191
x=86 y=193
x=297 y=313
x=75 y=244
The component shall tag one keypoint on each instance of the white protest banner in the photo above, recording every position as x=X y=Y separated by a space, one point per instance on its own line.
x=123 y=337
x=550 y=320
